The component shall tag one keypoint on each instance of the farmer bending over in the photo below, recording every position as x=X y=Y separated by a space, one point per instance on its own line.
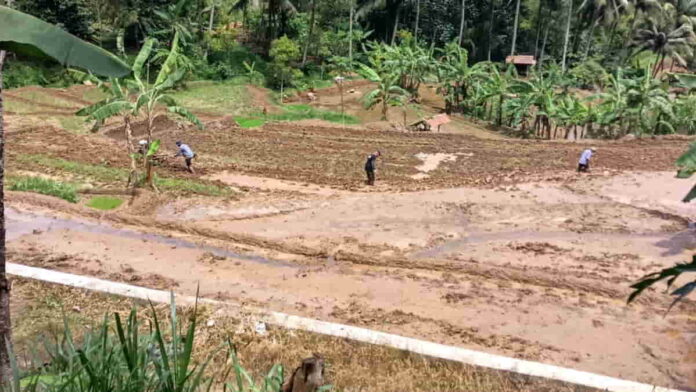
x=584 y=162
x=371 y=166
x=187 y=153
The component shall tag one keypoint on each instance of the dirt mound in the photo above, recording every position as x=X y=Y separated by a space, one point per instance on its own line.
x=161 y=124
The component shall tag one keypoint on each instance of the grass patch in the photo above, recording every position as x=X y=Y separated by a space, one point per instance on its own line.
x=44 y=186
x=97 y=172
x=104 y=202
x=190 y=186
x=72 y=123
x=94 y=95
x=229 y=97
x=246 y=122
x=44 y=97
x=297 y=113
x=107 y=174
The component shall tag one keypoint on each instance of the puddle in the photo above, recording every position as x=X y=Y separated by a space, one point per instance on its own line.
x=673 y=243
x=19 y=224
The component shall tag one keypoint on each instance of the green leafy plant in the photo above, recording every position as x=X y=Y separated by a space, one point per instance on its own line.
x=45 y=186
x=387 y=93
x=671 y=275
x=128 y=97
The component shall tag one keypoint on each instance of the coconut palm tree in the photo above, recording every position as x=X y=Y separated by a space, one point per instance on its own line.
x=26 y=34
x=664 y=38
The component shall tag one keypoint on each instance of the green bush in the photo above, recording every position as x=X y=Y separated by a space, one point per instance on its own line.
x=44 y=186
x=22 y=73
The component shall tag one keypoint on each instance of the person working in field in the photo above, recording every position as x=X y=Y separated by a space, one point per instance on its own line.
x=584 y=162
x=371 y=166
x=187 y=153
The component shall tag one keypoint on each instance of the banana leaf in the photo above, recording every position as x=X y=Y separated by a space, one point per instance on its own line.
x=24 y=34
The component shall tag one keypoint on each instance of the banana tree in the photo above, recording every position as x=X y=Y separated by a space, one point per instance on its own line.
x=388 y=92
x=455 y=75
x=648 y=104
x=497 y=85
x=22 y=33
x=542 y=92
x=129 y=98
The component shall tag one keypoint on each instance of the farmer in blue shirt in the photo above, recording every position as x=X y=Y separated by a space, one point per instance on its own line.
x=187 y=153
x=584 y=162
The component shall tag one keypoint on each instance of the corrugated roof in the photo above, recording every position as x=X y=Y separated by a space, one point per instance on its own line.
x=521 y=60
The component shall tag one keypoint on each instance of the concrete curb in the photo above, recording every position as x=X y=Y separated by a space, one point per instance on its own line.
x=430 y=349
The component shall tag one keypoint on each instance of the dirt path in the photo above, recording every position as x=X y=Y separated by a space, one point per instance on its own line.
x=540 y=271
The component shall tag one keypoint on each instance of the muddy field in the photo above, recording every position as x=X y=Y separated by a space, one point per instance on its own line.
x=495 y=245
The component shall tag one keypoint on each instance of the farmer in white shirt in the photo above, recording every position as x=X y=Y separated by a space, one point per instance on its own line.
x=584 y=162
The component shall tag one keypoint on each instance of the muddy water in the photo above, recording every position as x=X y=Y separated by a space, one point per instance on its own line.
x=20 y=223
x=673 y=243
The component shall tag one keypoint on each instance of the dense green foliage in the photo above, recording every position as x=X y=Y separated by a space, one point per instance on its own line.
x=624 y=53
x=44 y=186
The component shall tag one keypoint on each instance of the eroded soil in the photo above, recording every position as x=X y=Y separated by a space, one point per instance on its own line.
x=500 y=246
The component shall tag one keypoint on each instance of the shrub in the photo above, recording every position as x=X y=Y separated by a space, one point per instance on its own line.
x=45 y=186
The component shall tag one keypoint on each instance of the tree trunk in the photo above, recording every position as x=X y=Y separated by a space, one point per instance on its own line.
x=385 y=108
x=538 y=32
x=461 y=23
x=212 y=17
x=490 y=29
x=567 y=35
x=148 y=160
x=543 y=45
x=311 y=32
x=396 y=24
x=415 y=30
x=350 y=33
x=499 y=120
x=589 y=40
x=514 y=28
x=5 y=324
x=132 y=176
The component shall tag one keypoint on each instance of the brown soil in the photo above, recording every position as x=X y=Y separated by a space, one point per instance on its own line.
x=40 y=311
x=495 y=245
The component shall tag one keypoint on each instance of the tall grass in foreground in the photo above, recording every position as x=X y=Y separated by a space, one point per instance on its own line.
x=44 y=186
x=129 y=356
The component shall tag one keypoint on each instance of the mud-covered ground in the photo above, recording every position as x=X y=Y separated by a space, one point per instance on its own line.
x=495 y=245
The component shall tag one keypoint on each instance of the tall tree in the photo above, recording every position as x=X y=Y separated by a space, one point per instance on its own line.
x=26 y=34
x=567 y=35
x=415 y=29
x=514 y=29
x=391 y=6
x=310 y=35
x=490 y=28
x=462 y=22
x=666 y=40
